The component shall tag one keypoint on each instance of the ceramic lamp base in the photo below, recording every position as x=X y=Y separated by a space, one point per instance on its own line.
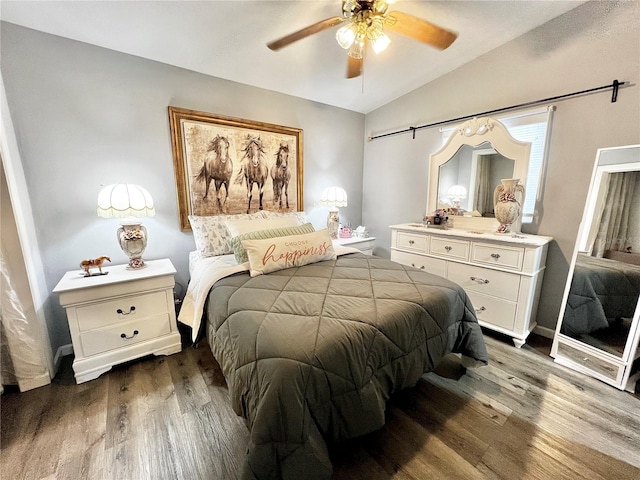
x=333 y=222
x=132 y=238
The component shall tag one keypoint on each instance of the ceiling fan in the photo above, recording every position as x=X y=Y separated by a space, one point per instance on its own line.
x=365 y=22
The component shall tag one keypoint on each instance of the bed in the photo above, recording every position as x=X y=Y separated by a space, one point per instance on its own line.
x=312 y=352
x=602 y=290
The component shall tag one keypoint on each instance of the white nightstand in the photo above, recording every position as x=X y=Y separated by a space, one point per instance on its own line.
x=364 y=244
x=120 y=316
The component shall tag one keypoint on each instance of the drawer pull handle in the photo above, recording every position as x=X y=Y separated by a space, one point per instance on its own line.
x=480 y=310
x=411 y=242
x=414 y=266
x=448 y=248
x=131 y=310
x=124 y=335
x=479 y=280
x=495 y=255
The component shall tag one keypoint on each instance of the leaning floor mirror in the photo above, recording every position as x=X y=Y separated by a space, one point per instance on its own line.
x=599 y=325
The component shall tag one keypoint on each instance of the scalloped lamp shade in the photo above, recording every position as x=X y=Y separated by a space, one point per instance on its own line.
x=128 y=201
x=125 y=200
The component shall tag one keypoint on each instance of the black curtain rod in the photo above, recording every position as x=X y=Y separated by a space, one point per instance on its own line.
x=614 y=97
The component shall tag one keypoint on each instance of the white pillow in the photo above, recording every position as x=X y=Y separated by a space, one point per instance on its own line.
x=278 y=253
x=301 y=217
x=212 y=236
x=240 y=226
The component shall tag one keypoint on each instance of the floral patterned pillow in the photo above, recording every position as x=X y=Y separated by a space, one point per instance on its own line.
x=301 y=217
x=211 y=234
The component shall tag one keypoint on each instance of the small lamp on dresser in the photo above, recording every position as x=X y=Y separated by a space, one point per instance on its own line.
x=128 y=202
x=333 y=197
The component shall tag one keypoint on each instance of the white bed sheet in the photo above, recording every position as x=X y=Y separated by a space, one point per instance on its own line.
x=205 y=271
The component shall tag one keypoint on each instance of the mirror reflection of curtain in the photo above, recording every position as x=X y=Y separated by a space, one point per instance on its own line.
x=614 y=217
x=483 y=193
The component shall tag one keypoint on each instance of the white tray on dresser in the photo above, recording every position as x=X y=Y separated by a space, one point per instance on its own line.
x=502 y=274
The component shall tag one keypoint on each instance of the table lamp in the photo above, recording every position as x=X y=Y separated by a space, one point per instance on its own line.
x=457 y=193
x=333 y=197
x=128 y=202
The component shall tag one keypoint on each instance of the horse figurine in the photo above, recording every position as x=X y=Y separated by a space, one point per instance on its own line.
x=86 y=265
x=280 y=175
x=253 y=169
x=217 y=166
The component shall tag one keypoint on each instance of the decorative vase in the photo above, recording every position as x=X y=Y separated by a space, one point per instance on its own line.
x=133 y=240
x=507 y=204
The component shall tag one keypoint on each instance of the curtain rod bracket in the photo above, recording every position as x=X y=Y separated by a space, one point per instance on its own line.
x=614 y=94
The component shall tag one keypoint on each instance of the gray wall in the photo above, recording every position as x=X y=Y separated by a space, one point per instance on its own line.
x=86 y=116
x=587 y=47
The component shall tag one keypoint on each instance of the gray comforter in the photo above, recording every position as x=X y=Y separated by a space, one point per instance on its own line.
x=311 y=354
x=601 y=290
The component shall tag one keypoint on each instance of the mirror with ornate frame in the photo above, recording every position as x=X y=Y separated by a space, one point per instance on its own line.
x=457 y=163
x=598 y=328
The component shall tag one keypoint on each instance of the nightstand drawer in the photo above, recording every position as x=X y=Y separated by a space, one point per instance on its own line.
x=408 y=241
x=494 y=311
x=449 y=248
x=500 y=256
x=135 y=331
x=121 y=310
x=484 y=280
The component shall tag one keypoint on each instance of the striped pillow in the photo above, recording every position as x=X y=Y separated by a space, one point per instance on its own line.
x=241 y=253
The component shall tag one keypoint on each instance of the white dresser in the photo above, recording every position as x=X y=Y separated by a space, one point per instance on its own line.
x=501 y=274
x=120 y=316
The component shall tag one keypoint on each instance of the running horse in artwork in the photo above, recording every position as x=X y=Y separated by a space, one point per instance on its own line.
x=280 y=175
x=253 y=170
x=217 y=166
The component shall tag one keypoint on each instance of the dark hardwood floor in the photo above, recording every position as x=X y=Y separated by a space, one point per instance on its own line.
x=162 y=418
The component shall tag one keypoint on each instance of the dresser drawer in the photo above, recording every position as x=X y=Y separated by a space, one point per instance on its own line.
x=498 y=255
x=121 y=310
x=504 y=285
x=495 y=311
x=110 y=338
x=428 y=264
x=449 y=248
x=587 y=360
x=408 y=241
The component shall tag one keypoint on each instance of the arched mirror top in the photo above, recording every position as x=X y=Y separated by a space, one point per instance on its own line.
x=488 y=135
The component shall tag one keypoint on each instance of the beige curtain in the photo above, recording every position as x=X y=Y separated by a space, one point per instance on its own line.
x=483 y=193
x=614 y=218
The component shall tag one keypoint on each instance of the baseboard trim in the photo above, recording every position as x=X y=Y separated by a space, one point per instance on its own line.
x=62 y=351
x=544 y=331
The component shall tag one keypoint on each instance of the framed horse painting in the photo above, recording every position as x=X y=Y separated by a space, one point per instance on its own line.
x=226 y=165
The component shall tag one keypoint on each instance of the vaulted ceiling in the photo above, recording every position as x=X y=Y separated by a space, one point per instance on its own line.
x=227 y=39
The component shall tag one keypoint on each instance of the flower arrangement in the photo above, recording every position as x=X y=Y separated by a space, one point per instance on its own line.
x=507 y=197
x=132 y=235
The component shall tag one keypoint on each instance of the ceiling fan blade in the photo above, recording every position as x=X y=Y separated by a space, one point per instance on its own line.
x=354 y=67
x=305 y=32
x=418 y=29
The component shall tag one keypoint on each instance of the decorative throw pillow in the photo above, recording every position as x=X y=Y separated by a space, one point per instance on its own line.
x=212 y=236
x=238 y=226
x=301 y=217
x=241 y=253
x=278 y=253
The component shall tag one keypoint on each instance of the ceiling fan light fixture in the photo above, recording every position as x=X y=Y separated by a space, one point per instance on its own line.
x=346 y=35
x=379 y=42
x=357 y=49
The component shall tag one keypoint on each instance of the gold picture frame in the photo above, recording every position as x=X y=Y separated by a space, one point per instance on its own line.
x=225 y=165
